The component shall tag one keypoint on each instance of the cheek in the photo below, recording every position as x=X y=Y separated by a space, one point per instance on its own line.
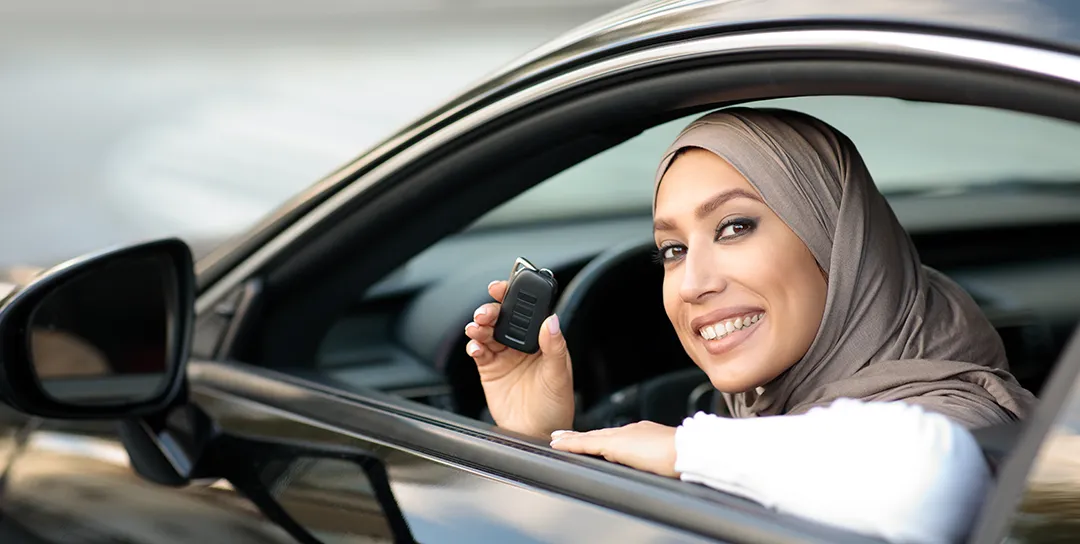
x=795 y=286
x=673 y=304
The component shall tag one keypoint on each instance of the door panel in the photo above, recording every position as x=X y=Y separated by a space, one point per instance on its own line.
x=455 y=480
x=444 y=503
x=78 y=488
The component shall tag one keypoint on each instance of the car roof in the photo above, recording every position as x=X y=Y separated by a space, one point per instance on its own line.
x=1051 y=24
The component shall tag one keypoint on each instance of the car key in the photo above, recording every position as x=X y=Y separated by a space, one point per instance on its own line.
x=530 y=298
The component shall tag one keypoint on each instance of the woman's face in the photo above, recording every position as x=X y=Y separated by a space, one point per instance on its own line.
x=744 y=293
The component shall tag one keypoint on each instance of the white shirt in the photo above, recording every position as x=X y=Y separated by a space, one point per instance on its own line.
x=887 y=469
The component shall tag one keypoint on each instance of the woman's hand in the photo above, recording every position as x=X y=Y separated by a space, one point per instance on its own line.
x=643 y=445
x=527 y=393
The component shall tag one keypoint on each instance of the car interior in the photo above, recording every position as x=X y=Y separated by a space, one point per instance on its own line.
x=987 y=184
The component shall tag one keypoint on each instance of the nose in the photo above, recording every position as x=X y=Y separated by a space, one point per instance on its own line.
x=702 y=277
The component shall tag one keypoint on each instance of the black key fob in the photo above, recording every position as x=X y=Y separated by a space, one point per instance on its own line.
x=529 y=300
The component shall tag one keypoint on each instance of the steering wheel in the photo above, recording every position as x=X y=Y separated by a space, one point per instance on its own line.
x=655 y=400
x=625 y=357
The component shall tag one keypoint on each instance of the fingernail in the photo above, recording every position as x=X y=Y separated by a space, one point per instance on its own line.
x=473 y=349
x=492 y=284
x=559 y=434
x=470 y=326
x=553 y=324
x=479 y=312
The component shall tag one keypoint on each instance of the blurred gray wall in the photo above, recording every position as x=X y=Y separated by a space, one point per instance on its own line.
x=121 y=121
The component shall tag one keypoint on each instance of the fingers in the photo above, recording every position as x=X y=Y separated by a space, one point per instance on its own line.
x=487 y=314
x=552 y=342
x=590 y=443
x=481 y=341
x=479 y=333
x=479 y=353
x=485 y=336
x=497 y=289
x=481 y=346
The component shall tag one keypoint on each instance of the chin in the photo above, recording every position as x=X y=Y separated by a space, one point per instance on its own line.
x=731 y=376
x=734 y=386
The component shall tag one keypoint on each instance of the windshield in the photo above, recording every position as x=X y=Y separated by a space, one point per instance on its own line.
x=908 y=146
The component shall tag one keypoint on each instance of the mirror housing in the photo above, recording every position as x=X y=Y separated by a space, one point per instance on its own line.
x=75 y=342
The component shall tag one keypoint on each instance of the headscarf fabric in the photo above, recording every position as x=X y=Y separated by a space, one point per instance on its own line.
x=893 y=329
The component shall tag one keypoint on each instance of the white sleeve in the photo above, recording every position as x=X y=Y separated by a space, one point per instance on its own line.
x=887 y=469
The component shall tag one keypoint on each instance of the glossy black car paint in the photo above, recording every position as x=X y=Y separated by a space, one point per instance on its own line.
x=69 y=482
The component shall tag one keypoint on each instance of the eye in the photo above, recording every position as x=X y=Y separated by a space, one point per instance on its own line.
x=734 y=227
x=668 y=253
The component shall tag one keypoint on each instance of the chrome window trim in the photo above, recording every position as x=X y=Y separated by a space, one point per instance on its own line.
x=1002 y=56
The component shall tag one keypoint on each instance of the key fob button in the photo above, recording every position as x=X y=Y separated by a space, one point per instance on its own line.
x=529 y=300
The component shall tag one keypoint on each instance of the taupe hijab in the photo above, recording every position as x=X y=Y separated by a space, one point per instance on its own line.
x=893 y=329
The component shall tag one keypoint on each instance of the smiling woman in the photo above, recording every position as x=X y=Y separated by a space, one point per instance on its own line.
x=848 y=306
x=791 y=283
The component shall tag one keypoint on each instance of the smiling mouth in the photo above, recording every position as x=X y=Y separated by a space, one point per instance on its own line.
x=721 y=329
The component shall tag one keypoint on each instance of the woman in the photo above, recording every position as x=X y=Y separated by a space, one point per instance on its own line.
x=792 y=285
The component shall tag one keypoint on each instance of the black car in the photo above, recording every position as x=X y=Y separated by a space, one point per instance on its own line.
x=308 y=381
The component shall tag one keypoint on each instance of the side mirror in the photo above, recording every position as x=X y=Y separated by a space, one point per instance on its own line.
x=104 y=336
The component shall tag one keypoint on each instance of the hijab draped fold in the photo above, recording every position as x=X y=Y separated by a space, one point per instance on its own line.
x=892 y=329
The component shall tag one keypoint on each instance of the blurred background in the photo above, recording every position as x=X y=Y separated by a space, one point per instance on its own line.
x=127 y=120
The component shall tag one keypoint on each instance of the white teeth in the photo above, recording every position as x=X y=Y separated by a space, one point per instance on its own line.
x=720 y=330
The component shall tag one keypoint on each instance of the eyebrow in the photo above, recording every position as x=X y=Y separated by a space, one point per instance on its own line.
x=709 y=206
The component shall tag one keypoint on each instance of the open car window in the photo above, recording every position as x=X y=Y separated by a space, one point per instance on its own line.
x=936 y=162
x=406 y=336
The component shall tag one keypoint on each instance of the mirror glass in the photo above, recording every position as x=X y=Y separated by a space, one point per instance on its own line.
x=102 y=337
x=333 y=499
